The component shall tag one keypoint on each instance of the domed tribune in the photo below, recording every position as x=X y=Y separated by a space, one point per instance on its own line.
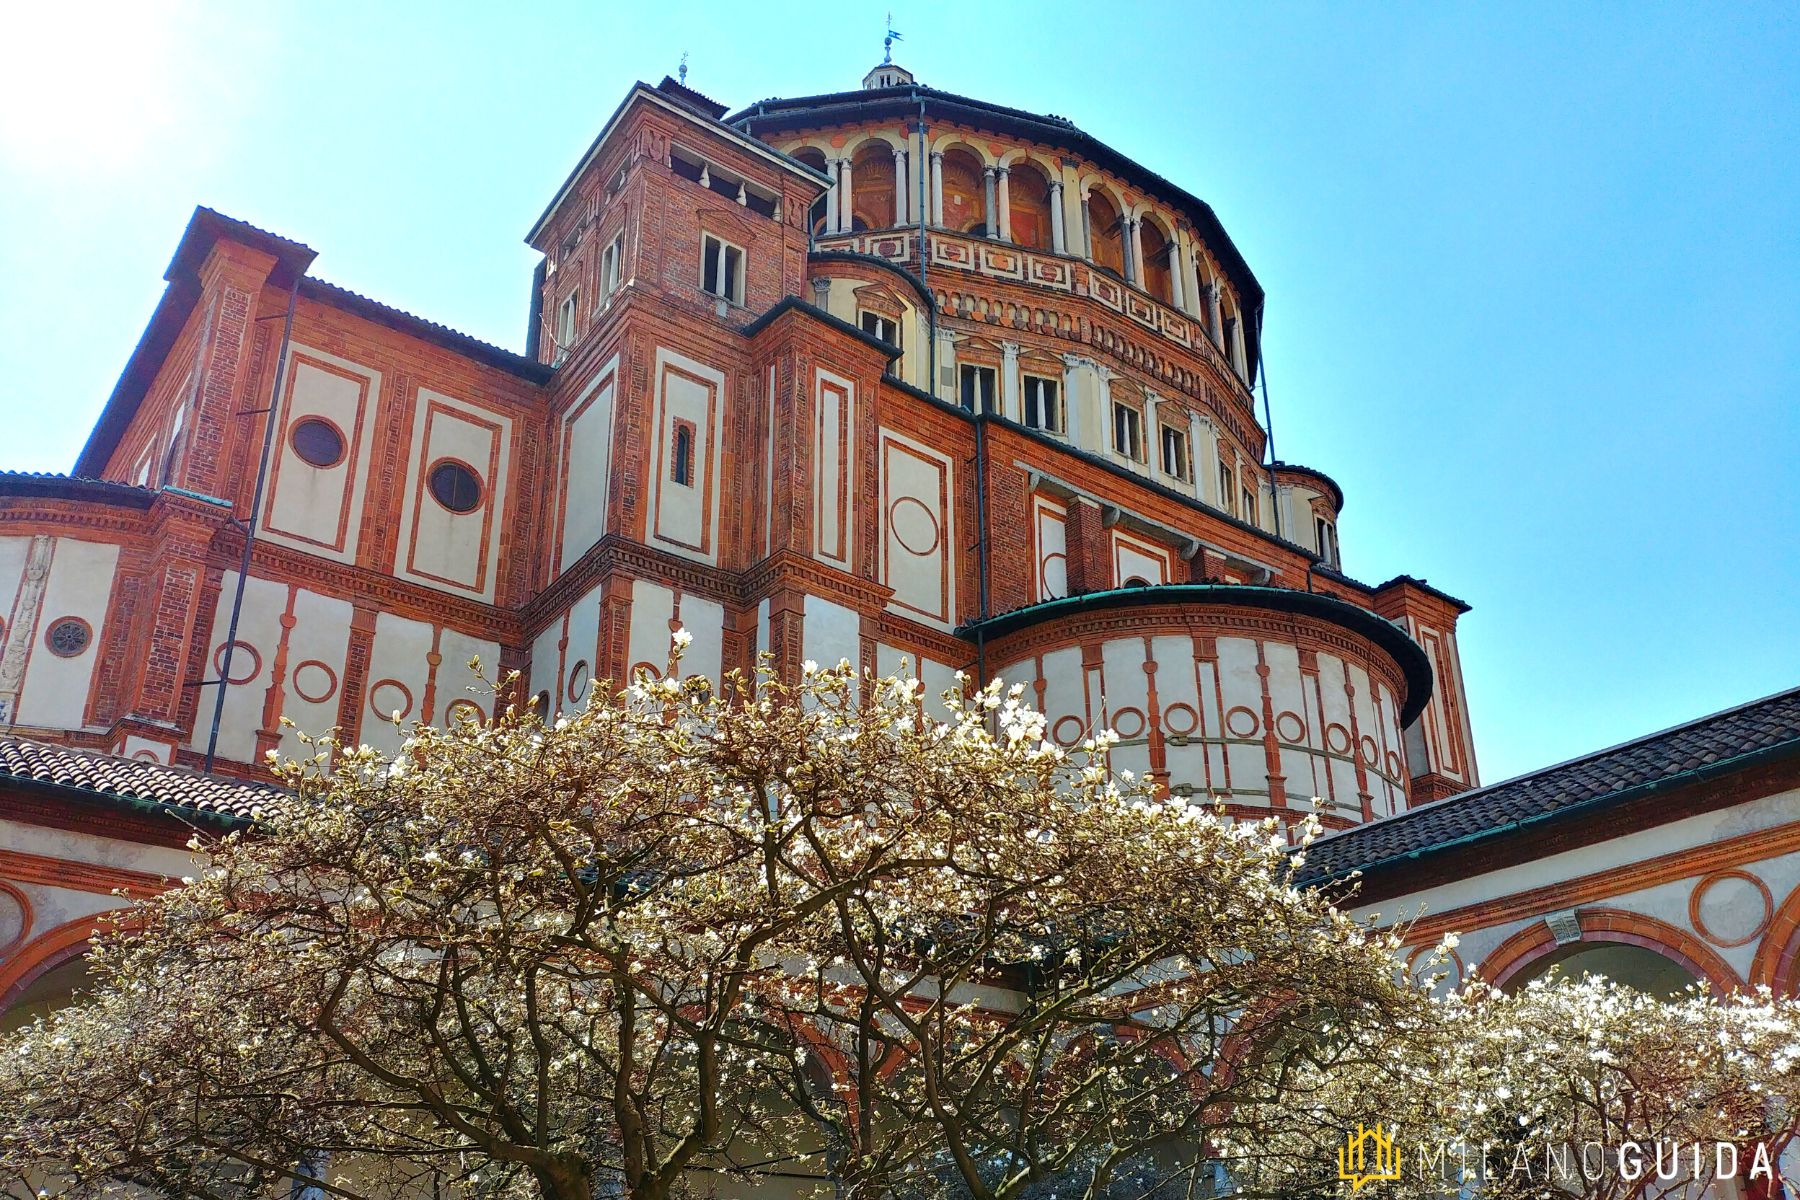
x=1262 y=698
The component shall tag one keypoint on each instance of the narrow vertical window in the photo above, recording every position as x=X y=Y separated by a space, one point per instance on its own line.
x=1128 y=431
x=1175 y=461
x=565 y=322
x=610 y=267
x=1249 y=512
x=681 y=457
x=722 y=269
x=1227 y=488
x=1043 y=404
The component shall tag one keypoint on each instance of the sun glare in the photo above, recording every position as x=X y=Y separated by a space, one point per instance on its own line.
x=89 y=86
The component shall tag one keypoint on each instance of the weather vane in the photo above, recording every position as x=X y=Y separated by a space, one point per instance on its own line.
x=682 y=69
x=887 y=44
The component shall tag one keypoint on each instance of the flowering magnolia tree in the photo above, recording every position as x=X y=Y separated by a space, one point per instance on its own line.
x=794 y=931
x=798 y=934
x=1568 y=1088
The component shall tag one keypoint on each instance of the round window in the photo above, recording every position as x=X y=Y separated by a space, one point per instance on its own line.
x=68 y=637
x=317 y=442
x=455 y=487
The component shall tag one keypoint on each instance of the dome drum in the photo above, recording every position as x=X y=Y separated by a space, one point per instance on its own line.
x=1262 y=698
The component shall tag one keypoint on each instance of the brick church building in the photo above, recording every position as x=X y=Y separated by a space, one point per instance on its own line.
x=889 y=375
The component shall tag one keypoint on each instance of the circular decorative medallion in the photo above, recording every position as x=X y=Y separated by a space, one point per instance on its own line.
x=1729 y=908
x=317 y=442
x=1241 y=722
x=1068 y=730
x=455 y=486
x=915 y=526
x=578 y=680
x=314 y=681
x=1128 y=722
x=246 y=663
x=390 y=696
x=458 y=711
x=68 y=637
x=1290 y=727
x=1180 y=719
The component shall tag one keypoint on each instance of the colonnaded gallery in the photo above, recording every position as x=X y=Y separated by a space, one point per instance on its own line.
x=889 y=374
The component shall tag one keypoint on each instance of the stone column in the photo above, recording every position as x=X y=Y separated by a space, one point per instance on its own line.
x=1128 y=232
x=1177 y=289
x=847 y=193
x=987 y=188
x=1011 y=398
x=1135 y=251
x=900 y=192
x=1058 y=242
x=1005 y=174
x=1215 y=322
x=1087 y=229
x=834 y=169
x=937 y=187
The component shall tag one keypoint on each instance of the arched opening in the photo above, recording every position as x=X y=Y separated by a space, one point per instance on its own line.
x=872 y=186
x=1029 y=197
x=56 y=988
x=813 y=157
x=1106 y=244
x=1157 y=249
x=172 y=460
x=1637 y=967
x=965 y=194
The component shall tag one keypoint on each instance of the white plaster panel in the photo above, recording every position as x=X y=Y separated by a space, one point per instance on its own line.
x=652 y=608
x=683 y=517
x=705 y=620
x=585 y=458
x=834 y=468
x=79 y=585
x=318 y=644
x=398 y=675
x=918 y=525
x=832 y=633
x=546 y=662
x=319 y=509
x=458 y=552
x=581 y=657
x=1050 y=523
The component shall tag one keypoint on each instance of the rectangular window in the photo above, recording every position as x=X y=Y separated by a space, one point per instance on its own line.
x=977 y=388
x=1249 y=512
x=1043 y=404
x=722 y=269
x=885 y=328
x=1128 y=431
x=610 y=267
x=1175 y=459
x=1227 y=488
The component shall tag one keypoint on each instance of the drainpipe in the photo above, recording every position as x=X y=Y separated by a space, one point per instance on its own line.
x=1262 y=370
x=249 y=525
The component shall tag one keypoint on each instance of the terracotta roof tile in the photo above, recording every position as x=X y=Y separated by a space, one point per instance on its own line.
x=1771 y=724
x=135 y=782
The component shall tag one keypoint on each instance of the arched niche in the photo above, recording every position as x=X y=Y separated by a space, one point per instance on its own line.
x=1028 y=191
x=1158 y=247
x=872 y=185
x=1106 y=233
x=965 y=193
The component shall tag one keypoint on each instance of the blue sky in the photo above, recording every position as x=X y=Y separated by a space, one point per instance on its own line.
x=1533 y=269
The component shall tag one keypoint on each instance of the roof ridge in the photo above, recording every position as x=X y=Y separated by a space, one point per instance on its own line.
x=1485 y=789
x=137 y=764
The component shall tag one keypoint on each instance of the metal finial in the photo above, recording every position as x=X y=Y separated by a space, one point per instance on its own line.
x=681 y=71
x=887 y=44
